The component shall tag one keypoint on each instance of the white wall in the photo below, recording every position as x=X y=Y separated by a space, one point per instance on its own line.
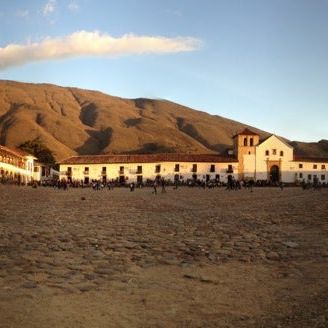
x=249 y=166
x=148 y=170
x=26 y=175
x=308 y=169
x=286 y=161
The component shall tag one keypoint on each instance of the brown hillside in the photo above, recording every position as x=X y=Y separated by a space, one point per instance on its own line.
x=74 y=121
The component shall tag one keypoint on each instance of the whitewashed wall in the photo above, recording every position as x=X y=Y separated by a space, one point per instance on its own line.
x=25 y=174
x=148 y=170
x=286 y=161
x=308 y=172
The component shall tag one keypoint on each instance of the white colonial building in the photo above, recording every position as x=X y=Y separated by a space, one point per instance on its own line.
x=271 y=159
x=139 y=168
x=16 y=165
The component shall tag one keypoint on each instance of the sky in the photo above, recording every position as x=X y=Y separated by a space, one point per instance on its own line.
x=259 y=62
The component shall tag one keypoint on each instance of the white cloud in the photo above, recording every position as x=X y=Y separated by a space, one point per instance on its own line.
x=49 y=7
x=22 y=13
x=73 y=6
x=83 y=43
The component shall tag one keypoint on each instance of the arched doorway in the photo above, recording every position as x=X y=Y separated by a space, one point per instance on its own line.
x=274 y=173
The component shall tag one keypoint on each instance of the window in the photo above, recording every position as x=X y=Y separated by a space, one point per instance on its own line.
x=104 y=169
x=121 y=169
x=323 y=167
x=251 y=142
x=274 y=151
x=309 y=176
x=139 y=169
x=281 y=153
x=86 y=170
x=212 y=169
x=245 y=141
x=194 y=168
x=301 y=175
x=266 y=153
x=158 y=168
x=315 y=166
x=230 y=170
x=323 y=177
x=177 y=168
x=69 y=169
x=300 y=166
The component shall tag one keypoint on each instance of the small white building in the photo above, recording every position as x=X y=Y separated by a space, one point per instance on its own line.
x=44 y=173
x=16 y=166
x=271 y=159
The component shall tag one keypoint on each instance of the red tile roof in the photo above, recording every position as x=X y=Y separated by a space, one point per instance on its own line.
x=246 y=132
x=148 y=158
x=15 y=152
x=298 y=158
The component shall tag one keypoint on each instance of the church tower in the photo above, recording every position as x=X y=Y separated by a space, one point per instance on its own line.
x=244 y=144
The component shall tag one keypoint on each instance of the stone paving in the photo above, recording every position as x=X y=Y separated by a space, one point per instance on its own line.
x=77 y=241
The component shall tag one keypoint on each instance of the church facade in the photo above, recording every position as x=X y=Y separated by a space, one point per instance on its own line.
x=271 y=159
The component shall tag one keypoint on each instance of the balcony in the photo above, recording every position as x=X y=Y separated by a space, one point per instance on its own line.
x=121 y=172
x=103 y=172
x=139 y=171
x=86 y=172
x=229 y=171
x=69 y=173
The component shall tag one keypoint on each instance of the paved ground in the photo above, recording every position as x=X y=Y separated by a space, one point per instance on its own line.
x=187 y=258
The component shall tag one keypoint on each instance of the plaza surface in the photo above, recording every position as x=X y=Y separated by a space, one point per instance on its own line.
x=186 y=258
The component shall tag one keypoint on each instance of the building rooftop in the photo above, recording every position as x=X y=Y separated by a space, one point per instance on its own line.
x=298 y=158
x=246 y=132
x=148 y=158
x=15 y=152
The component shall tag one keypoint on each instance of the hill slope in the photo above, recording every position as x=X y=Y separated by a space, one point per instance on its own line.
x=74 y=121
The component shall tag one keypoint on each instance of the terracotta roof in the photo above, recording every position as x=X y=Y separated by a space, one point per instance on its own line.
x=148 y=158
x=246 y=132
x=15 y=152
x=298 y=158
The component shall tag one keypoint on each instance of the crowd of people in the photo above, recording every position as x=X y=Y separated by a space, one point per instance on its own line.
x=161 y=184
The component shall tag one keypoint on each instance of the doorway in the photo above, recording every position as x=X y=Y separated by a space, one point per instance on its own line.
x=274 y=174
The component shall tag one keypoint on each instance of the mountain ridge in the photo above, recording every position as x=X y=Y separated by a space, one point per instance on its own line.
x=73 y=121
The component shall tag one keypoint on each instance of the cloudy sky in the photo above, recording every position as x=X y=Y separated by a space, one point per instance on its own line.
x=261 y=62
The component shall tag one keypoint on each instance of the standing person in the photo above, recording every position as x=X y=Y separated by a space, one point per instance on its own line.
x=163 y=185
x=132 y=186
x=176 y=183
x=155 y=187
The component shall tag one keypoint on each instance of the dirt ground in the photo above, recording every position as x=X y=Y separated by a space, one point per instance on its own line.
x=186 y=258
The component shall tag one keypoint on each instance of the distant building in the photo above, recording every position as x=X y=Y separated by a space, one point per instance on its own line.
x=16 y=166
x=139 y=168
x=271 y=159
x=44 y=173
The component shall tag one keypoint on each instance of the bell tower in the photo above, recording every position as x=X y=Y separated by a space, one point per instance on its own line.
x=244 y=144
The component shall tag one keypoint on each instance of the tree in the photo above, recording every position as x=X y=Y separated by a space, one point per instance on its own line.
x=37 y=148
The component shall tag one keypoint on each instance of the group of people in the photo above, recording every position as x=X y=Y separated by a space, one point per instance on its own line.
x=160 y=182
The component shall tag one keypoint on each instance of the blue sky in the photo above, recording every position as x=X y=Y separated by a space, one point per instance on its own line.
x=264 y=63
